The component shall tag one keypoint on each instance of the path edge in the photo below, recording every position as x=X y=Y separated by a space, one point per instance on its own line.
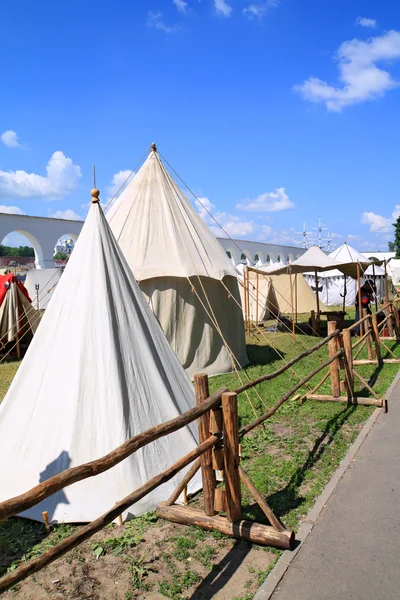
x=270 y=584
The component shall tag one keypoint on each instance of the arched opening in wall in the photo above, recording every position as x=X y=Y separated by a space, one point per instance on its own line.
x=256 y=258
x=268 y=259
x=290 y=258
x=19 y=252
x=64 y=247
x=278 y=258
x=243 y=258
x=229 y=255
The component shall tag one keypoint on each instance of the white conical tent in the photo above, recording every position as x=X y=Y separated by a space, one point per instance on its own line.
x=182 y=270
x=118 y=378
x=41 y=285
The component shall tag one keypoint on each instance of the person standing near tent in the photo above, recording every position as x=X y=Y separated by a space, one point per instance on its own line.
x=366 y=297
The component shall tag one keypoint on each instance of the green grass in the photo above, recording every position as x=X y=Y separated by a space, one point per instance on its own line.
x=290 y=459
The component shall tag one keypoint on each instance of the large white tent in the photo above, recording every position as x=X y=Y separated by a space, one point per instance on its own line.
x=120 y=378
x=41 y=284
x=184 y=273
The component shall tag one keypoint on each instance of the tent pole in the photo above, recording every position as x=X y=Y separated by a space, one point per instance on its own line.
x=257 y=299
x=317 y=296
x=376 y=296
x=344 y=294
x=291 y=301
x=359 y=298
x=386 y=284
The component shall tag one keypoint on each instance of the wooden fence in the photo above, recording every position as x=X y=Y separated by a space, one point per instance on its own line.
x=218 y=450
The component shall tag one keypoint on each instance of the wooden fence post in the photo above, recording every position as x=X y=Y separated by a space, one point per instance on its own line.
x=348 y=362
x=390 y=320
x=231 y=457
x=396 y=319
x=333 y=347
x=375 y=334
x=207 y=470
x=368 y=334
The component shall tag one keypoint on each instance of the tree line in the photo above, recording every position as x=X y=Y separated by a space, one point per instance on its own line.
x=18 y=251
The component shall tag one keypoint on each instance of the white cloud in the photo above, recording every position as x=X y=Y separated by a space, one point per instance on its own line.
x=62 y=177
x=11 y=210
x=222 y=8
x=377 y=223
x=10 y=138
x=351 y=236
x=181 y=5
x=155 y=19
x=232 y=224
x=260 y=10
x=118 y=182
x=360 y=78
x=68 y=214
x=268 y=202
x=204 y=206
x=365 y=22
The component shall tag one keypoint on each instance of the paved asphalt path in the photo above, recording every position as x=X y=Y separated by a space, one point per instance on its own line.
x=353 y=552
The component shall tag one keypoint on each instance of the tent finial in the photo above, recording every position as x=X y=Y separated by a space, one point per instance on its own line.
x=153 y=147
x=95 y=193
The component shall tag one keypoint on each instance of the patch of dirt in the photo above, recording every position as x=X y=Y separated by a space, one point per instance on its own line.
x=281 y=430
x=230 y=571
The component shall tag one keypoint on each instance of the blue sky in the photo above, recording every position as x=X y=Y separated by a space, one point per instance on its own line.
x=274 y=112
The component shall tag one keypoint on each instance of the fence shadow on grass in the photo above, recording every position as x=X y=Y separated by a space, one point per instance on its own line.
x=289 y=497
x=17 y=538
x=220 y=575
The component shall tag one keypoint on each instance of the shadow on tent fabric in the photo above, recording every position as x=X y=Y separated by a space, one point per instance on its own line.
x=50 y=504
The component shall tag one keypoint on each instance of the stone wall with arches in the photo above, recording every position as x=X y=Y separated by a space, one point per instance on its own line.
x=42 y=232
x=266 y=253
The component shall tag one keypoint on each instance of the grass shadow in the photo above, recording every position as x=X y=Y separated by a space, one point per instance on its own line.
x=18 y=537
x=262 y=355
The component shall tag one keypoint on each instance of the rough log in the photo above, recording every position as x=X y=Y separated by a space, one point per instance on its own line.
x=252 y=532
x=262 y=503
x=366 y=384
x=348 y=362
x=180 y=488
x=333 y=347
x=287 y=366
x=220 y=500
x=245 y=430
x=84 y=533
x=375 y=335
x=346 y=400
x=69 y=476
x=369 y=334
x=207 y=470
x=388 y=361
x=231 y=457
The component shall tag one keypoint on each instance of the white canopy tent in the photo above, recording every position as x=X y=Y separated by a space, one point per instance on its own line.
x=120 y=379
x=338 y=289
x=41 y=284
x=184 y=273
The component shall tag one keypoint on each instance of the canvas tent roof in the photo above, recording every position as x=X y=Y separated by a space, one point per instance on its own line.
x=178 y=243
x=121 y=378
x=313 y=259
x=47 y=280
x=183 y=271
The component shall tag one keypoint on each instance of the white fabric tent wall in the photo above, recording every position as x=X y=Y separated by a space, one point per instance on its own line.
x=175 y=258
x=47 y=280
x=120 y=379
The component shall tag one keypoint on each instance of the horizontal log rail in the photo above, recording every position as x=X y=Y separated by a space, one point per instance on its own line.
x=361 y=339
x=287 y=366
x=69 y=476
x=36 y=564
x=245 y=430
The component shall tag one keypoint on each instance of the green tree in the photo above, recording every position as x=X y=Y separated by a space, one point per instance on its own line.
x=396 y=242
x=391 y=247
x=60 y=256
x=18 y=251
